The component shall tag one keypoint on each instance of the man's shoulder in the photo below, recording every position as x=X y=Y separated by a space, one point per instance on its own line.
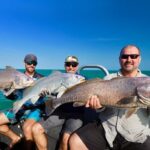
x=38 y=75
x=143 y=75
x=114 y=75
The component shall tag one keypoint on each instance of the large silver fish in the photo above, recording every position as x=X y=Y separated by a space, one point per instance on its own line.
x=121 y=92
x=11 y=79
x=57 y=82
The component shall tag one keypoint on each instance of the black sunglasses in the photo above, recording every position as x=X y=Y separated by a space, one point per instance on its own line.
x=32 y=63
x=73 y=64
x=132 y=56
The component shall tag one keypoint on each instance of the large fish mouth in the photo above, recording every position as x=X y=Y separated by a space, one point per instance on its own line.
x=22 y=82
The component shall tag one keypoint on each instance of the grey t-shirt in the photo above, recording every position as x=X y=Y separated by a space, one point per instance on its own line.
x=134 y=128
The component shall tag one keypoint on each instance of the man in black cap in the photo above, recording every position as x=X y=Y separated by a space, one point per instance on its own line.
x=30 y=61
x=33 y=114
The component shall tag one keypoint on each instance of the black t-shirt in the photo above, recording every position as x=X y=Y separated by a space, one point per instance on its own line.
x=69 y=108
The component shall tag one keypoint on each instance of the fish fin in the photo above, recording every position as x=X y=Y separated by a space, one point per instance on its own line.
x=55 y=73
x=10 y=68
x=34 y=99
x=8 y=92
x=60 y=94
x=49 y=107
x=128 y=100
x=61 y=90
x=17 y=105
x=77 y=104
x=130 y=112
x=16 y=82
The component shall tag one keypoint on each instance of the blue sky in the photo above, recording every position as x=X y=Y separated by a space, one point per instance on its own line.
x=93 y=30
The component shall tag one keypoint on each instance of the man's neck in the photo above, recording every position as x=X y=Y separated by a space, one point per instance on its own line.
x=130 y=74
x=30 y=74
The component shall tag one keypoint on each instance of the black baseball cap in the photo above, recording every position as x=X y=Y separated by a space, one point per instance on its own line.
x=30 y=58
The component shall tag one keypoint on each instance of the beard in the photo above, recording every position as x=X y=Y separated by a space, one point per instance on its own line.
x=31 y=69
x=129 y=67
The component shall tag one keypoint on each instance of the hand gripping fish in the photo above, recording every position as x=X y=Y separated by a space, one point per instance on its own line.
x=123 y=92
x=11 y=79
x=55 y=82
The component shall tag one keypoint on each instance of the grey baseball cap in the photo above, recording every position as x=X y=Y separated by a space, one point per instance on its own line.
x=29 y=58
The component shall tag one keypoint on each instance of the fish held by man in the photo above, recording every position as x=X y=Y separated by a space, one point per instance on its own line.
x=56 y=82
x=123 y=92
x=11 y=79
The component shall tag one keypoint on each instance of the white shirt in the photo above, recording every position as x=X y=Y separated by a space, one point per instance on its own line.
x=134 y=128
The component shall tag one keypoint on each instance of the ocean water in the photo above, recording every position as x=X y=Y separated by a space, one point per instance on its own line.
x=6 y=103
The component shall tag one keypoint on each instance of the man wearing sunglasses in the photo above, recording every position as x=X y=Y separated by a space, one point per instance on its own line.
x=34 y=114
x=66 y=115
x=30 y=116
x=114 y=130
x=30 y=61
x=71 y=64
x=70 y=125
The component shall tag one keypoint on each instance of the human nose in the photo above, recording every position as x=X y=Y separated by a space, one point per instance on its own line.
x=70 y=66
x=129 y=58
x=32 y=65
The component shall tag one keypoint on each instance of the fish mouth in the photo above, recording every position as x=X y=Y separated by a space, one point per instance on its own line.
x=22 y=84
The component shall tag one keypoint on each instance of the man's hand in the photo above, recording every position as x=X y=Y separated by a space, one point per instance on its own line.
x=44 y=93
x=93 y=102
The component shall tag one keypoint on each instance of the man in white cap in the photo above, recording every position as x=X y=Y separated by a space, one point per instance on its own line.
x=67 y=116
x=71 y=64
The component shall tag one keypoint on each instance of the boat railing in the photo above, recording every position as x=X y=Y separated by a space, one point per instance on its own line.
x=100 y=67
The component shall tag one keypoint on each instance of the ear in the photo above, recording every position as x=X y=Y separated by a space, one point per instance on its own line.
x=140 y=59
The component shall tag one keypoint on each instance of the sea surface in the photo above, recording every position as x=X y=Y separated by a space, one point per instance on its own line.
x=6 y=103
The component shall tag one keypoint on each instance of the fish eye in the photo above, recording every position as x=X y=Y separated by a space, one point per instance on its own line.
x=76 y=76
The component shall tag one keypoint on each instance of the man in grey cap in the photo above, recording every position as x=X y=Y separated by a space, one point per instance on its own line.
x=30 y=61
x=31 y=116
